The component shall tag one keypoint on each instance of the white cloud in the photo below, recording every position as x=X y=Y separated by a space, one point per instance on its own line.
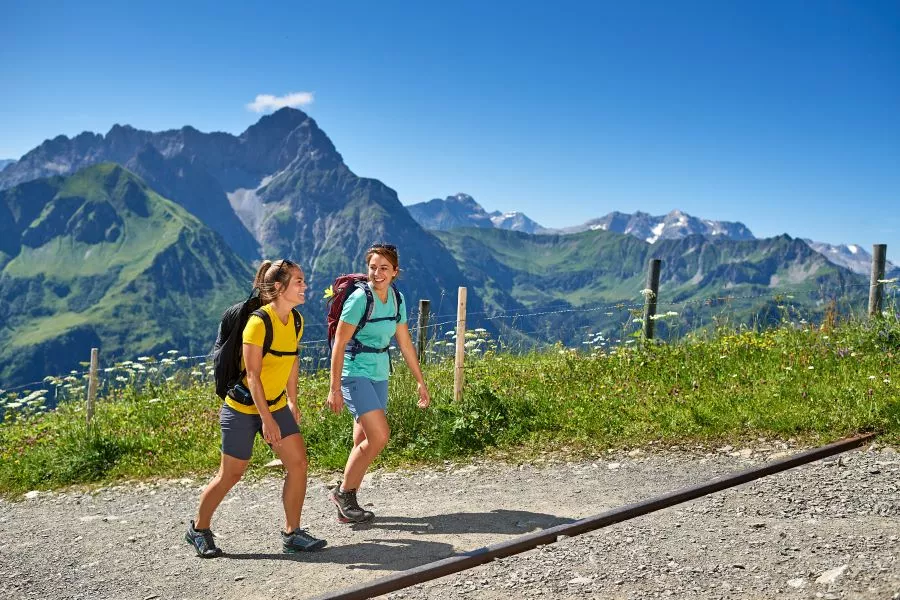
x=267 y=102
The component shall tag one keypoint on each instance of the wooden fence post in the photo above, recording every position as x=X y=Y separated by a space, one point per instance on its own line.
x=424 y=307
x=458 y=375
x=92 y=385
x=876 y=289
x=651 y=297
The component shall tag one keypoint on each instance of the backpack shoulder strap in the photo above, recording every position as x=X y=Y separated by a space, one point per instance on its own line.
x=370 y=306
x=267 y=340
x=298 y=324
x=398 y=299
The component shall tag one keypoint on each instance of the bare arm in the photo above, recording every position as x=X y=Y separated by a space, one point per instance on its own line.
x=408 y=350
x=253 y=364
x=342 y=336
x=292 y=389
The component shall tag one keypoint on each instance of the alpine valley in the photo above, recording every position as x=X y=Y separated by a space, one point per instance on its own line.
x=135 y=242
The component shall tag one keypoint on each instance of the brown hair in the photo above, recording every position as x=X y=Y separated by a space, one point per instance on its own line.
x=388 y=251
x=271 y=273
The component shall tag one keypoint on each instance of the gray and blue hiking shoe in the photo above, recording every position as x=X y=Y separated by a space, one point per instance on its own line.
x=202 y=541
x=349 y=510
x=299 y=540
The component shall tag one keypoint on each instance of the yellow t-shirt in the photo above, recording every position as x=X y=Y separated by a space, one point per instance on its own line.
x=275 y=369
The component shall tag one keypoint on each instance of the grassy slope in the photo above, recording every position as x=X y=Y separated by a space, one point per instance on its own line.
x=115 y=279
x=803 y=383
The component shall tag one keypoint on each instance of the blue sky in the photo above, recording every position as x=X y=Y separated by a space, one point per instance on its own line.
x=782 y=115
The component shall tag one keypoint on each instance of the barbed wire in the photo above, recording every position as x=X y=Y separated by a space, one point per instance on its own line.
x=892 y=292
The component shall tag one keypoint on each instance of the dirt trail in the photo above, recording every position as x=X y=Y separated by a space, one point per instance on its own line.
x=836 y=521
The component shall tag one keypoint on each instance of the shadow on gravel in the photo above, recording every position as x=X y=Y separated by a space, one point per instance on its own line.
x=496 y=521
x=382 y=554
x=401 y=553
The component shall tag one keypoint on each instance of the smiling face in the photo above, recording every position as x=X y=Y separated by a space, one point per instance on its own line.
x=381 y=271
x=295 y=291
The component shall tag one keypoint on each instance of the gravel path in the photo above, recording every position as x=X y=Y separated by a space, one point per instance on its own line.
x=827 y=530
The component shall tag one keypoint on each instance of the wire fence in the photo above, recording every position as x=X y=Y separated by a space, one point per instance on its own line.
x=556 y=325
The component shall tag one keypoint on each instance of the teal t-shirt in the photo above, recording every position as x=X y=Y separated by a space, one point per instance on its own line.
x=375 y=366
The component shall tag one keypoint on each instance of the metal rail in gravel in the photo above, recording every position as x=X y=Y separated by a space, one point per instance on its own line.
x=473 y=558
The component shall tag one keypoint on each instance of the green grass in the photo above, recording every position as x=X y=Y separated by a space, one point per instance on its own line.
x=810 y=384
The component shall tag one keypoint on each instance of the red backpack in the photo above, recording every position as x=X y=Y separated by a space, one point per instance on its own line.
x=342 y=287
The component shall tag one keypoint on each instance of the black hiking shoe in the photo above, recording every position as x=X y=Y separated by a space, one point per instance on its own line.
x=299 y=540
x=202 y=541
x=348 y=508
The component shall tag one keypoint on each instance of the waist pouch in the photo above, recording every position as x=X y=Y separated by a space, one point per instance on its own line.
x=240 y=394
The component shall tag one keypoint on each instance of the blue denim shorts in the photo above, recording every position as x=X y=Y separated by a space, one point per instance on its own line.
x=239 y=430
x=362 y=395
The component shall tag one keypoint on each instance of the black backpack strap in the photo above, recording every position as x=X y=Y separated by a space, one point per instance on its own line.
x=370 y=307
x=399 y=300
x=356 y=347
x=298 y=324
x=267 y=340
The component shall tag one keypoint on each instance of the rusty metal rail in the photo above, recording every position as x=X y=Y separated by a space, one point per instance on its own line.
x=461 y=562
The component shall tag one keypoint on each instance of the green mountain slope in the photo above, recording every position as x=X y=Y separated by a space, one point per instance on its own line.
x=100 y=259
x=573 y=276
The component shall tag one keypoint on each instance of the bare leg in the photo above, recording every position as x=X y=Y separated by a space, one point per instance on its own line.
x=292 y=452
x=371 y=432
x=359 y=434
x=230 y=472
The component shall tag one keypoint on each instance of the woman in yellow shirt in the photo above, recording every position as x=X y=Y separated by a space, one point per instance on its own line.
x=265 y=403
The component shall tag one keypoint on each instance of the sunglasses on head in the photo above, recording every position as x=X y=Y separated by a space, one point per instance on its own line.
x=385 y=246
x=284 y=263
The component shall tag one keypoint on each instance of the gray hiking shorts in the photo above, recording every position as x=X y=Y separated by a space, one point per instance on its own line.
x=239 y=430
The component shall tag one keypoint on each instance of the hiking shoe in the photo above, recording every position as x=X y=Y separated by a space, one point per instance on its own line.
x=299 y=540
x=348 y=508
x=202 y=541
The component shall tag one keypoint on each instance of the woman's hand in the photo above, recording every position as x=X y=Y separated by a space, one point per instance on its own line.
x=295 y=411
x=270 y=430
x=424 y=396
x=335 y=401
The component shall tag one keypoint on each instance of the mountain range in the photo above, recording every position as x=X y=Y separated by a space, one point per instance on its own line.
x=5 y=162
x=462 y=210
x=278 y=189
x=136 y=241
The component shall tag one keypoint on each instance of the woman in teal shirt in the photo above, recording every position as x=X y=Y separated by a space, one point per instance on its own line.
x=359 y=373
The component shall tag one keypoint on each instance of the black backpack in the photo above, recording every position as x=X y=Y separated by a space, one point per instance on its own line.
x=229 y=342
